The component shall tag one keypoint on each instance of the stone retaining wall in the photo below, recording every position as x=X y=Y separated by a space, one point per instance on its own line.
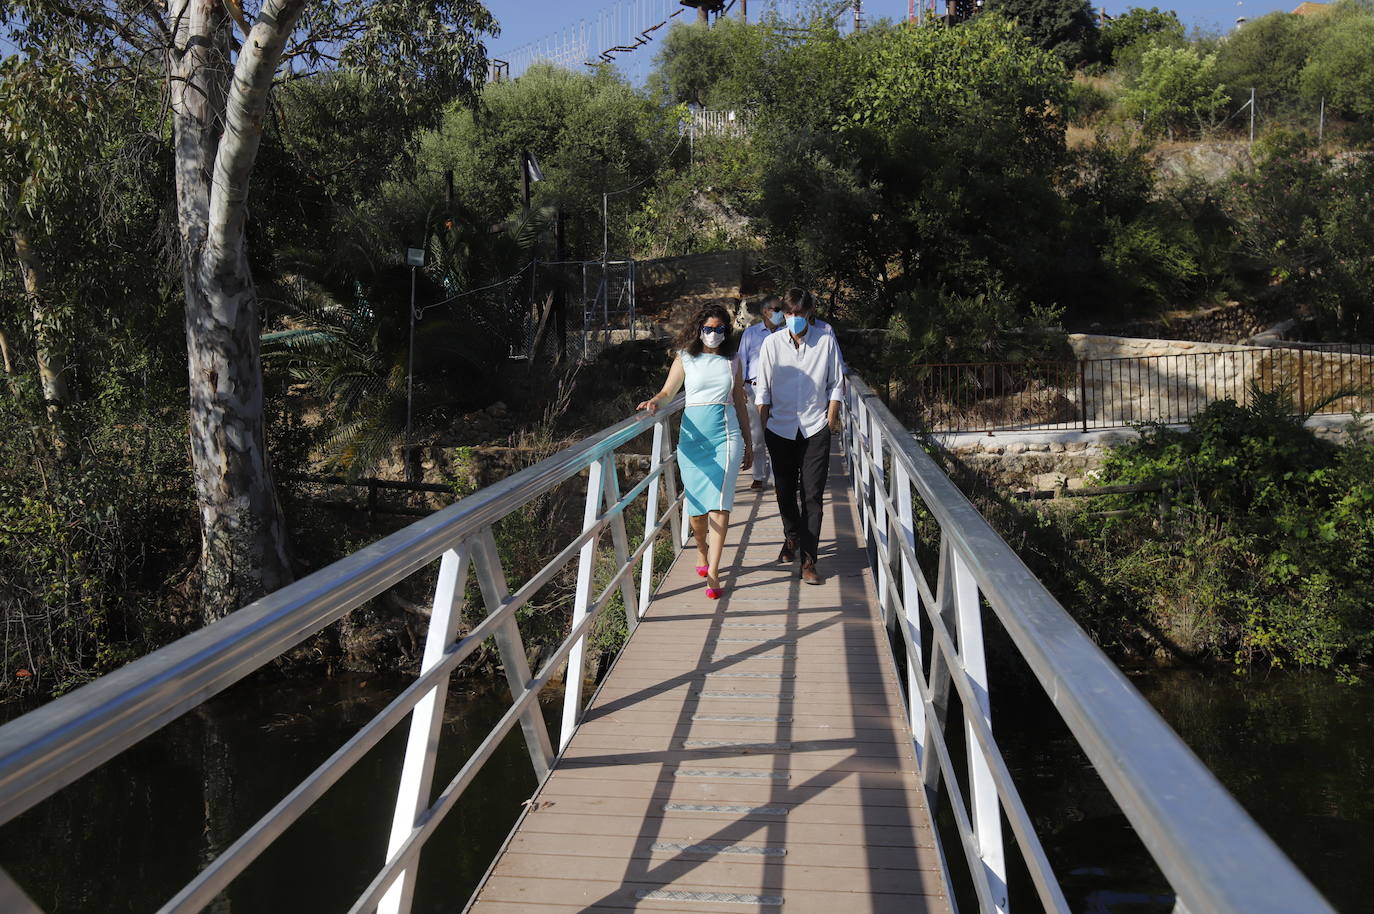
x=1022 y=460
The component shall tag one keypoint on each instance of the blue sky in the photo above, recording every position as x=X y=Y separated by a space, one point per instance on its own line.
x=524 y=21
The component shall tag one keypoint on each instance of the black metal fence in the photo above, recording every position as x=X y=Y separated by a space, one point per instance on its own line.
x=1117 y=392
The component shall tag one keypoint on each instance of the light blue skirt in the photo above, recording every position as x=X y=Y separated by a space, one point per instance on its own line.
x=709 y=450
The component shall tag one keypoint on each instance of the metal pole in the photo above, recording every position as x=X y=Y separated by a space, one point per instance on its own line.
x=1252 y=117
x=1083 y=394
x=525 y=178
x=410 y=370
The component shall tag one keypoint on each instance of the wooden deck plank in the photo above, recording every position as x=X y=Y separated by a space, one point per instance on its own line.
x=746 y=754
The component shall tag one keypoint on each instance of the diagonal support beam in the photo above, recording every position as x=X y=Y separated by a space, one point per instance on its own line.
x=491 y=578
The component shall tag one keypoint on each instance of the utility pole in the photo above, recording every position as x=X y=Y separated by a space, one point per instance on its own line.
x=858 y=15
x=743 y=10
x=525 y=179
x=1252 y=117
x=560 y=300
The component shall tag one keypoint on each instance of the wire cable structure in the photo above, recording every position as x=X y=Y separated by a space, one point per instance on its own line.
x=623 y=33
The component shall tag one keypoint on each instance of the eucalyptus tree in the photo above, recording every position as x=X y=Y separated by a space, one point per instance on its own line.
x=218 y=62
x=42 y=127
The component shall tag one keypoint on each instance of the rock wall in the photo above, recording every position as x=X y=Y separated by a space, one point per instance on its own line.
x=1048 y=460
x=1233 y=322
x=662 y=285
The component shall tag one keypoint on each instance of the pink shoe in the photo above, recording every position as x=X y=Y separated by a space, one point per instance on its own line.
x=702 y=569
x=714 y=593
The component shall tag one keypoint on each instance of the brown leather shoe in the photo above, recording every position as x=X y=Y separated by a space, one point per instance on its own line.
x=756 y=484
x=808 y=573
x=789 y=551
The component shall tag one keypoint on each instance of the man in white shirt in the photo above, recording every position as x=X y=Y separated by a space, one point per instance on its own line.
x=747 y=356
x=798 y=389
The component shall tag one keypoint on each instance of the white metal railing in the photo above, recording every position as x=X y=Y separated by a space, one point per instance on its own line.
x=1213 y=854
x=47 y=749
x=706 y=122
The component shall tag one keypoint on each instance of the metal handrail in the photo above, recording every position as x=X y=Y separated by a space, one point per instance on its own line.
x=1211 y=851
x=47 y=749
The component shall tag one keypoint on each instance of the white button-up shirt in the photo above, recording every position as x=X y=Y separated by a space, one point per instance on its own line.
x=747 y=356
x=798 y=382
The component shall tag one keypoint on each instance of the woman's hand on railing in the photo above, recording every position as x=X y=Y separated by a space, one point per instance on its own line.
x=650 y=405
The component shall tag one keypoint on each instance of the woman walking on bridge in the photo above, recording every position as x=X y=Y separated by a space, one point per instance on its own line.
x=714 y=438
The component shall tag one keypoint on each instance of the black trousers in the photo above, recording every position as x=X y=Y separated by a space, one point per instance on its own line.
x=801 y=467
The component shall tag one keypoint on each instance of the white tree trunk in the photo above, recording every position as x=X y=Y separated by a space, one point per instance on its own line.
x=49 y=351
x=218 y=113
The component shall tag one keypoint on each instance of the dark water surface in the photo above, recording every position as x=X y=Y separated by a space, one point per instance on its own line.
x=128 y=836
x=1296 y=749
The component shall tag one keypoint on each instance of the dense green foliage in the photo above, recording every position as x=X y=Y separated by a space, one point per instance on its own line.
x=1264 y=554
x=1065 y=28
x=1135 y=27
x=1175 y=89
x=922 y=180
x=1306 y=219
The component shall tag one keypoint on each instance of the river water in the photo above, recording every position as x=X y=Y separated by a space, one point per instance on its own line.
x=1296 y=749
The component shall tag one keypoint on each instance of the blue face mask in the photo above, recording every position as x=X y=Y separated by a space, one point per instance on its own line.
x=775 y=318
x=797 y=324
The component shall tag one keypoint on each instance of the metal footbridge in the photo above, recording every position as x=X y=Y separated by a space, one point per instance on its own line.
x=779 y=750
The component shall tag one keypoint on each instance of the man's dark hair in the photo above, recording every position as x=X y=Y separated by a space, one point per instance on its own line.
x=798 y=301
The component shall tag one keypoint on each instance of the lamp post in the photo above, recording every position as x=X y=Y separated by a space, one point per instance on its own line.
x=415 y=258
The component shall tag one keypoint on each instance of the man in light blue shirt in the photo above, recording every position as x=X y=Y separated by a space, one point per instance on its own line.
x=798 y=391
x=750 y=342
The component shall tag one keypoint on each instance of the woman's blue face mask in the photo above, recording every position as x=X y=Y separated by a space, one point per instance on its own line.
x=775 y=318
x=797 y=324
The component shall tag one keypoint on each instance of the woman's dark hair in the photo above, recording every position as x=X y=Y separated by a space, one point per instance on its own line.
x=688 y=339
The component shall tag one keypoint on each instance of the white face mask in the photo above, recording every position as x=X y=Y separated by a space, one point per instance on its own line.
x=712 y=339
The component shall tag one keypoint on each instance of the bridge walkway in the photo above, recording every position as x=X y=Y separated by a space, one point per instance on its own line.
x=742 y=754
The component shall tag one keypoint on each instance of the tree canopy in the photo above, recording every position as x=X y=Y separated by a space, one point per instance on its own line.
x=1065 y=28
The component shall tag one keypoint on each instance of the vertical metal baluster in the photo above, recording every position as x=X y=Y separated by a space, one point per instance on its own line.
x=911 y=606
x=986 y=813
x=880 y=525
x=865 y=468
x=679 y=521
x=619 y=541
x=491 y=578
x=851 y=429
x=582 y=599
x=937 y=696
x=422 y=744
x=646 y=564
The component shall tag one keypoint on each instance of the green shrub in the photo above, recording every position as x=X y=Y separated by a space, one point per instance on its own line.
x=87 y=550
x=1265 y=556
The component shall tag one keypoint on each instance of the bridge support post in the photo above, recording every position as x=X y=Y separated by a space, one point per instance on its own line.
x=422 y=744
x=986 y=812
x=911 y=604
x=582 y=599
x=491 y=578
